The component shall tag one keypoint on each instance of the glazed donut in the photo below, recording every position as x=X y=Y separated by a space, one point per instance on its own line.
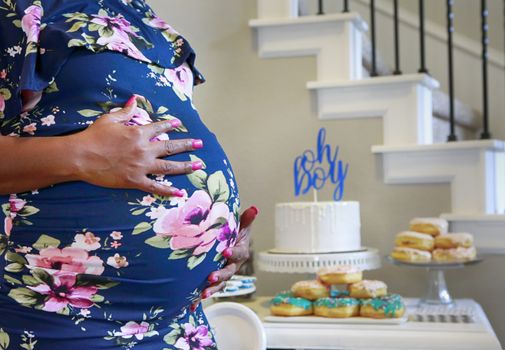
x=342 y=274
x=415 y=240
x=431 y=226
x=368 y=289
x=338 y=293
x=454 y=240
x=337 y=308
x=454 y=254
x=311 y=290
x=410 y=255
x=286 y=304
x=389 y=306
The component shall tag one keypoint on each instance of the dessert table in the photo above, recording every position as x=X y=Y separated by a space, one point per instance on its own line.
x=463 y=326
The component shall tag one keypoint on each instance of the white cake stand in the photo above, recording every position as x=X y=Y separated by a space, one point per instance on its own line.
x=274 y=261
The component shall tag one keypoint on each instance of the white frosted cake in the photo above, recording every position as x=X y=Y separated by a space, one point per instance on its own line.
x=317 y=227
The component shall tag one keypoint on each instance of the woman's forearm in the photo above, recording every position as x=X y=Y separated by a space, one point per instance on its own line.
x=35 y=162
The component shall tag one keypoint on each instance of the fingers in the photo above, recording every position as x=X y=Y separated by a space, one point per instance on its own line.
x=170 y=147
x=124 y=114
x=152 y=186
x=248 y=216
x=169 y=167
x=239 y=253
x=156 y=128
x=213 y=289
x=224 y=274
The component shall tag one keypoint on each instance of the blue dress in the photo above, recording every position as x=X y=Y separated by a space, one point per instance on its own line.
x=88 y=267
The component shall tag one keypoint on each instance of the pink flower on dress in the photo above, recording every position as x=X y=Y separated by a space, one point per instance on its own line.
x=23 y=249
x=148 y=200
x=30 y=23
x=193 y=224
x=30 y=128
x=2 y=103
x=48 y=121
x=181 y=78
x=87 y=241
x=120 y=39
x=227 y=234
x=133 y=328
x=115 y=244
x=141 y=117
x=194 y=338
x=15 y=206
x=62 y=291
x=67 y=259
x=159 y=23
x=117 y=261
x=117 y=235
x=3 y=74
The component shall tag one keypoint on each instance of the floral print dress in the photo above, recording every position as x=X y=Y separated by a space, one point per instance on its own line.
x=87 y=267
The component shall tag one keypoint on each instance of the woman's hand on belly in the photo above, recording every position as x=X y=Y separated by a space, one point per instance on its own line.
x=236 y=255
x=116 y=155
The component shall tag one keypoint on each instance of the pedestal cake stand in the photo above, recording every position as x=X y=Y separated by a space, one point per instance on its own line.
x=437 y=292
x=276 y=261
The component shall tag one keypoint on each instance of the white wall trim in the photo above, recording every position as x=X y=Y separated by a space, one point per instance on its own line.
x=439 y=33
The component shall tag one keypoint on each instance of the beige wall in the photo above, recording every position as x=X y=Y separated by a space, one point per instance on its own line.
x=263 y=115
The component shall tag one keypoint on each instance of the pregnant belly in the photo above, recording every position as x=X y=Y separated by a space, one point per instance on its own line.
x=75 y=246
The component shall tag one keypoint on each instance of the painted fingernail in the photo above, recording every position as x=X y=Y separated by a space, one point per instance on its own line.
x=197 y=144
x=175 y=123
x=178 y=193
x=196 y=165
x=213 y=278
x=255 y=208
x=206 y=294
x=227 y=253
x=130 y=101
x=192 y=307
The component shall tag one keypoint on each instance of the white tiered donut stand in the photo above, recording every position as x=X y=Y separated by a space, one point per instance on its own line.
x=272 y=261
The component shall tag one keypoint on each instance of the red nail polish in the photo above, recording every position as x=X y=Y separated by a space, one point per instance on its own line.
x=130 y=101
x=192 y=308
x=256 y=210
x=178 y=193
x=175 y=123
x=213 y=278
x=196 y=165
x=197 y=144
x=206 y=294
x=227 y=253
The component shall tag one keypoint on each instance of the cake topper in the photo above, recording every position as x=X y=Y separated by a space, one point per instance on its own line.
x=313 y=169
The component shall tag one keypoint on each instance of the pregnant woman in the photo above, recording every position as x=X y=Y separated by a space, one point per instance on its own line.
x=119 y=216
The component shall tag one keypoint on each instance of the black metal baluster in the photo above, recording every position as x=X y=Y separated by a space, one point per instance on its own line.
x=485 y=110
x=450 y=29
x=422 y=48
x=320 y=10
x=397 y=70
x=346 y=6
x=373 y=73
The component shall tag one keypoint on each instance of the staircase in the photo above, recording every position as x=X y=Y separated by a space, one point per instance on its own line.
x=413 y=110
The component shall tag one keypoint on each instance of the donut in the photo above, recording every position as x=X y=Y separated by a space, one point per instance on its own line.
x=454 y=254
x=286 y=304
x=454 y=240
x=337 y=308
x=342 y=274
x=415 y=240
x=431 y=226
x=368 y=289
x=311 y=290
x=411 y=255
x=338 y=293
x=389 y=306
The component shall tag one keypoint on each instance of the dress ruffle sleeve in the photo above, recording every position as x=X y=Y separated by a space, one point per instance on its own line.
x=37 y=37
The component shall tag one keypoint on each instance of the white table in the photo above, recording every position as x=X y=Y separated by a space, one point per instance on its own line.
x=413 y=335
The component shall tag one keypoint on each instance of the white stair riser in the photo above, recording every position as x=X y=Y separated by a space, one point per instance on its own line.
x=476 y=176
x=405 y=106
x=336 y=43
x=277 y=8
